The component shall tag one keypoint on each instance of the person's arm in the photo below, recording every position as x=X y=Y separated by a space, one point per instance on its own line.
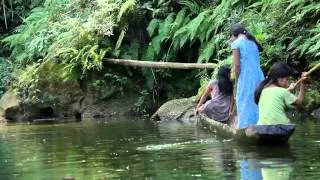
x=203 y=97
x=300 y=98
x=236 y=63
x=291 y=87
x=231 y=109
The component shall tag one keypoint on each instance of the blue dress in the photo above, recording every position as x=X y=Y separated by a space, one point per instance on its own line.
x=250 y=170
x=249 y=78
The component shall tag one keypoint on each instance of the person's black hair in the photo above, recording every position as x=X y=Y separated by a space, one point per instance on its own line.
x=278 y=70
x=224 y=82
x=238 y=28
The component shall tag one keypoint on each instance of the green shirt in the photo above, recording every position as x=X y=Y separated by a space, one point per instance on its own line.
x=272 y=104
x=280 y=173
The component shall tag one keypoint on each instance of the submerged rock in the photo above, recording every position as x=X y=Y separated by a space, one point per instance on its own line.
x=178 y=109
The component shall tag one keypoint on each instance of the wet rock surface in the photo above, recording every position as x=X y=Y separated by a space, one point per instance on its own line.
x=176 y=110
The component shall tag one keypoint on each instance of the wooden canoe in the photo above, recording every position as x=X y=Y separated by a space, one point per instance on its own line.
x=261 y=134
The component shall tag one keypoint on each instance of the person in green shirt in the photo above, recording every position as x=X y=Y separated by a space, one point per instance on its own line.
x=273 y=95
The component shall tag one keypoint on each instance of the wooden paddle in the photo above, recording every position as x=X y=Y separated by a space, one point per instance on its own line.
x=308 y=73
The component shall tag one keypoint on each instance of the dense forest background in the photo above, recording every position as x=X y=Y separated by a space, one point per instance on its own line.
x=46 y=42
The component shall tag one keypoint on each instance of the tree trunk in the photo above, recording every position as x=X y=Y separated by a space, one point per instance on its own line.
x=154 y=64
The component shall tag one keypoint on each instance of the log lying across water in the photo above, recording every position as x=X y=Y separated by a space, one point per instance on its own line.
x=166 y=65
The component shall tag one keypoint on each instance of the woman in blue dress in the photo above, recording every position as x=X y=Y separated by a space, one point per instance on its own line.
x=248 y=74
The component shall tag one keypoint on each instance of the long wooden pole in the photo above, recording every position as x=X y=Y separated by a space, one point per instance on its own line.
x=309 y=72
x=154 y=64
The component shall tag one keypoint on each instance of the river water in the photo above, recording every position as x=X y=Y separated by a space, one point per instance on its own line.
x=138 y=149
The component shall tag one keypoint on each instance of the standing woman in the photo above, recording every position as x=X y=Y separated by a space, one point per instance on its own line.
x=248 y=74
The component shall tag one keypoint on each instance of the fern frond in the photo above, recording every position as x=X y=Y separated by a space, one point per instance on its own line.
x=126 y=7
x=165 y=27
x=119 y=41
x=297 y=4
x=178 y=22
x=193 y=6
x=206 y=51
x=156 y=43
x=153 y=26
x=295 y=43
x=194 y=25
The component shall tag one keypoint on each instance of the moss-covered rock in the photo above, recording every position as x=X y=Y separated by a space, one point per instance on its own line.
x=54 y=96
x=177 y=109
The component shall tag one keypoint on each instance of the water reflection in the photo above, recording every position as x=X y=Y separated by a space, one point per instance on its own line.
x=267 y=163
x=226 y=161
x=231 y=160
x=110 y=150
x=253 y=169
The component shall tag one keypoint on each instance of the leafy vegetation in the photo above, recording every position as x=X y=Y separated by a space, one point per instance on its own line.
x=12 y=10
x=66 y=33
x=5 y=75
x=288 y=32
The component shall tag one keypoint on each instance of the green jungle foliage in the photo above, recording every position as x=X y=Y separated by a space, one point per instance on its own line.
x=287 y=30
x=5 y=75
x=78 y=34
x=12 y=10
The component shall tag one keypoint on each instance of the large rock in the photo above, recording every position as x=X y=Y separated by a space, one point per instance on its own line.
x=8 y=100
x=70 y=103
x=10 y=106
x=112 y=106
x=316 y=113
x=178 y=109
x=53 y=95
x=3 y=120
x=13 y=108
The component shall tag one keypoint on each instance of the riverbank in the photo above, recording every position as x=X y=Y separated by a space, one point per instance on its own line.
x=101 y=95
x=82 y=106
x=88 y=107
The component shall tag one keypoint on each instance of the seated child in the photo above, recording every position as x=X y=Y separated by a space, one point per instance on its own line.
x=221 y=91
x=273 y=96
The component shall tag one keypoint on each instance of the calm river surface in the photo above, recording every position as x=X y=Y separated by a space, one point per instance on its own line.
x=138 y=149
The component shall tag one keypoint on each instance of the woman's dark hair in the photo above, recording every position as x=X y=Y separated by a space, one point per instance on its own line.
x=277 y=70
x=238 y=28
x=224 y=82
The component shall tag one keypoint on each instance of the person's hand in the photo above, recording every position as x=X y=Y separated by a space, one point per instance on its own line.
x=304 y=77
x=232 y=111
x=292 y=86
x=197 y=109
